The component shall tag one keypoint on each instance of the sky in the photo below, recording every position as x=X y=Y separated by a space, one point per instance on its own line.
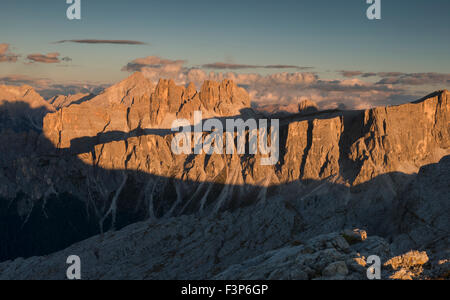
x=281 y=51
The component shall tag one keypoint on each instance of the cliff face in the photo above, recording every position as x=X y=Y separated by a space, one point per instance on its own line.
x=112 y=156
x=65 y=101
x=356 y=146
x=360 y=146
x=402 y=138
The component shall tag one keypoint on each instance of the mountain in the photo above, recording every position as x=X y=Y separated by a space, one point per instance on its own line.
x=125 y=91
x=353 y=146
x=25 y=94
x=106 y=163
x=304 y=106
x=13 y=100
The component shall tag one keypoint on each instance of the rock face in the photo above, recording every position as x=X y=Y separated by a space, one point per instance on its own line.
x=23 y=106
x=61 y=101
x=407 y=266
x=303 y=106
x=106 y=163
x=307 y=106
x=423 y=213
x=124 y=92
x=390 y=147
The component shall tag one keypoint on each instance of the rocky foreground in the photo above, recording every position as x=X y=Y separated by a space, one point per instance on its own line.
x=94 y=165
x=270 y=240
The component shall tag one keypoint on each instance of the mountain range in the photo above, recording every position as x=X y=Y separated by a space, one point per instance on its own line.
x=94 y=175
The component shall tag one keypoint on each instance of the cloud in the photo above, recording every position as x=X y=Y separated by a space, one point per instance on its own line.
x=400 y=78
x=23 y=80
x=5 y=55
x=154 y=62
x=287 y=67
x=415 y=79
x=368 y=74
x=390 y=74
x=49 y=58
x=230 y=66
x=95 y=41
x=350 y=74
x=154 y=68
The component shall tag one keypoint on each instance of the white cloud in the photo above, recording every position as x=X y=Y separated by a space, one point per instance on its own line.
x=5 y=55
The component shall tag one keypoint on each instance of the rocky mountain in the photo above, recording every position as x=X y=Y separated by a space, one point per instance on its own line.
x=125 y=91
x=23 y=106
x=24 y=94
x=105 y=163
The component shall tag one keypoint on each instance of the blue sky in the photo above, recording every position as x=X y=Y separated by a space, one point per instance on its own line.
x=412 y=37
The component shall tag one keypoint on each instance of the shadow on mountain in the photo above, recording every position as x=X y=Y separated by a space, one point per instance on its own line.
x=83 y=99
x=38 y=218
x=87 y=144
x=20 y=117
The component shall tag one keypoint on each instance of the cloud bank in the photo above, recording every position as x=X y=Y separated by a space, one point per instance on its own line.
x=280 y=88
x=417 y=79
x=400 y=78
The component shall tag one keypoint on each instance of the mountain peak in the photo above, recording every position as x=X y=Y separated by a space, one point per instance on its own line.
x=134 y=80
x=125 y=92
x=24 y=93
x=24 y=103
x=442 y=93
x=135 y=77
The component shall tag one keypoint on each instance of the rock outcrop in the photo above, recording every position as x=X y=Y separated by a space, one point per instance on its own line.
x=307 y=106
x=271 y=240
x=61 y=101
x=198 y=249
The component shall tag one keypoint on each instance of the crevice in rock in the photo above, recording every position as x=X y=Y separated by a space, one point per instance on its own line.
x=307 y=148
